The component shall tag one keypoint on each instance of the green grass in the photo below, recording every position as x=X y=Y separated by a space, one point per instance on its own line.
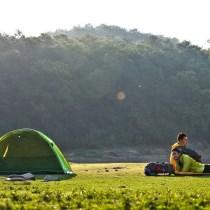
x=108 y=186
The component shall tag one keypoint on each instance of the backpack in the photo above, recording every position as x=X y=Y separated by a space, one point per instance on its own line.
x=155 y=168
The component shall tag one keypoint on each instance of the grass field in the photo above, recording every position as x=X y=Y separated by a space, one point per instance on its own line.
x=108 y=186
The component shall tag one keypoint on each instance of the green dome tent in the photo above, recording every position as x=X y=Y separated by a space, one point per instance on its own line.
x=28 y=150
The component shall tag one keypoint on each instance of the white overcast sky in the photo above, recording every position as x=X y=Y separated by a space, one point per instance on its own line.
x=183 y=19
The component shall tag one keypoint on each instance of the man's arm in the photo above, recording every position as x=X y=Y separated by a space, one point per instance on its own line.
x=192 y=153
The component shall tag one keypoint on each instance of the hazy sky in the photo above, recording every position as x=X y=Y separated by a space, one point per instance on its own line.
x=183 y=19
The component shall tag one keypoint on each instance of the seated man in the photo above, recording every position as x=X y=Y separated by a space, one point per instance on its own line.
x=184 y=163
x=182 y=141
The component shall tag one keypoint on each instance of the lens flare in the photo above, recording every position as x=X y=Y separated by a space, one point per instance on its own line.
x=120 y=96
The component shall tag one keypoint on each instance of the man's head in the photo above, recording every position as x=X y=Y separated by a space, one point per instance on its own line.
x=176 y=153
x=182 y=139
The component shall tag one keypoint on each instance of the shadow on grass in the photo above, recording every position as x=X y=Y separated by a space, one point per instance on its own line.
x=200 y=175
